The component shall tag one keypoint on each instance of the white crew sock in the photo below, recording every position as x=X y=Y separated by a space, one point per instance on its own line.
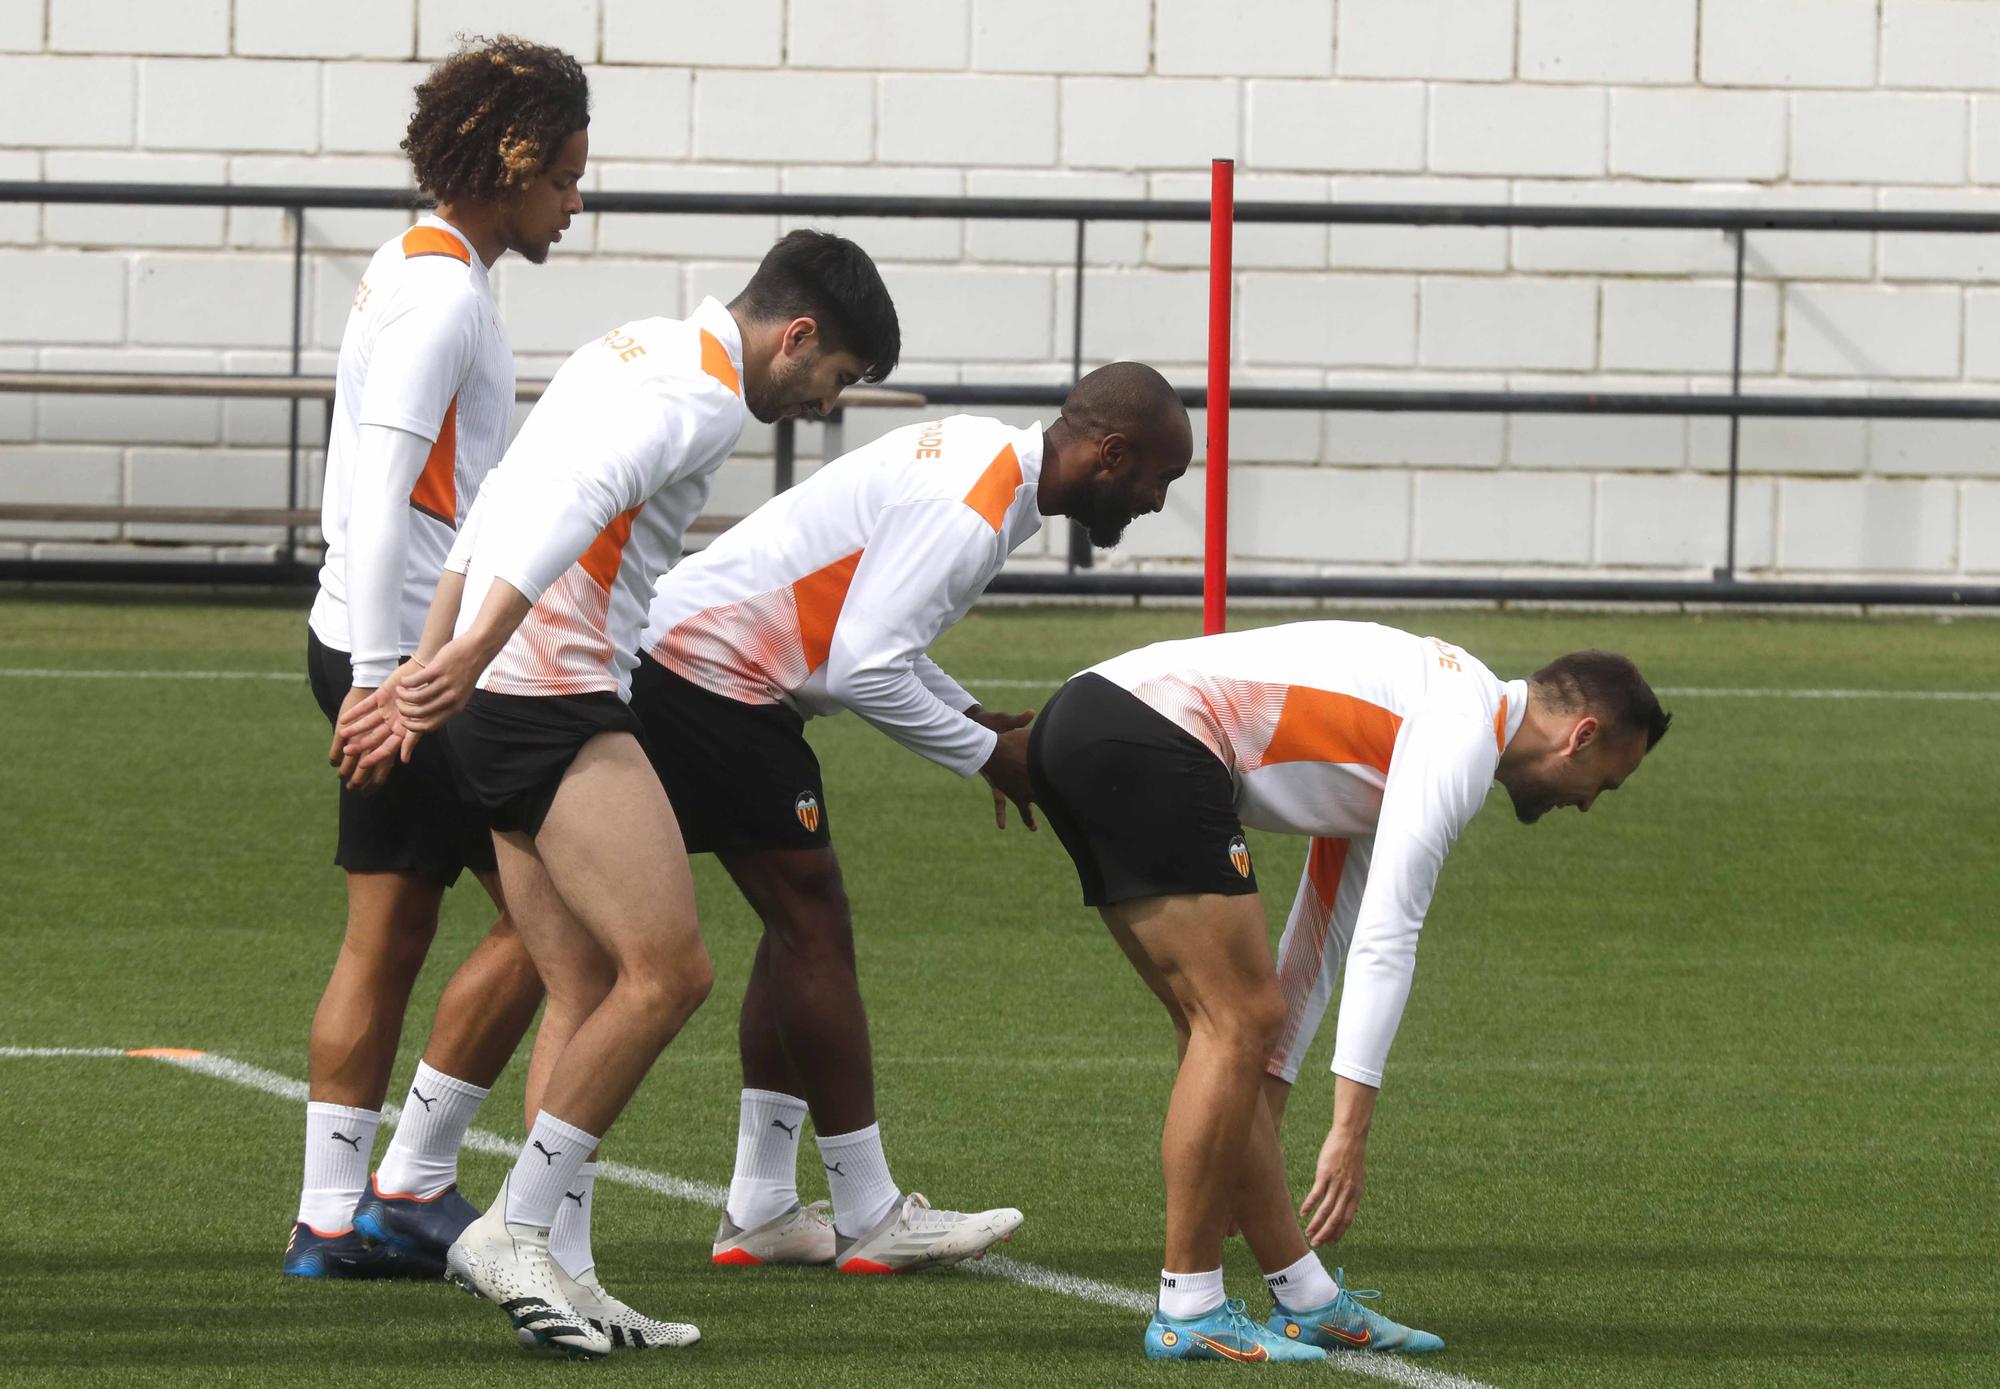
x=1186 y=1295
x=858 y=1175
x=339 y=1142
x=569 y=1237
x=422 y=1157
x=1302 y=1286
x=554 y=1153
x=766 y=1182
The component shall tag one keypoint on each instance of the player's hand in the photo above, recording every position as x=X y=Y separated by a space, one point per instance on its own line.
x=433 y=693
x=372 y=738
x=337 y=755
x=1338 y=1176
x=1006 y=769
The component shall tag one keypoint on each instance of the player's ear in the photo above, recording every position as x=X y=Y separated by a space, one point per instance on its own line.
x=1114 y=450
x=799 y=333
x=1584 y=734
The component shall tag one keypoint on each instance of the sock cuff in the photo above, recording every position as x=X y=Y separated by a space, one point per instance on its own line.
x=829 y=1142
x=588 y=1171
x=547 y=1123
x=776 y=1099
x=428 y=1075
x=344 y=1113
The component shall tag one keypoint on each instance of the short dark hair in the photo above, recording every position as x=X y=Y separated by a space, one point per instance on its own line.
x=1608 y=685
x=492 y=116
x=1128 y=398
x=829 y=279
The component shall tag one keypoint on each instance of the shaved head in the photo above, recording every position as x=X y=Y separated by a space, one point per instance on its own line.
x=1124 y=438
x=1132 y=399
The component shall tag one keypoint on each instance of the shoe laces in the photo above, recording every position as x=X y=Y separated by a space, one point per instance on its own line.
x=1238 y=1318
x=919 y=1214
x=1340 y=1277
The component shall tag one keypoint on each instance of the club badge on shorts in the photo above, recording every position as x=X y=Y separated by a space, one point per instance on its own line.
x=1239 y=856
x=806 y=807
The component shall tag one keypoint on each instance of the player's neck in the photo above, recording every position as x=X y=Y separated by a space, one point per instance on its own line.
x=478 y=224
x=1052 y=491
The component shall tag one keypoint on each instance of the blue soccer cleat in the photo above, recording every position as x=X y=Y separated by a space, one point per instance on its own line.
x=311 y=1253
x=1344 y=1324
x=1224 y=1334
x=416 y=1227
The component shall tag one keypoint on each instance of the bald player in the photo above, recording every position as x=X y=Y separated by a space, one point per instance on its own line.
x=1381 y=746
x=824 y=599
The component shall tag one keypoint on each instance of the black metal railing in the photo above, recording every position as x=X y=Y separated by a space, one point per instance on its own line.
x=1735 y=222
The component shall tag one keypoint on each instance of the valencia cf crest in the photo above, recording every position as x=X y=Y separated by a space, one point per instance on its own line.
x=806 y=807
x=1239 y=856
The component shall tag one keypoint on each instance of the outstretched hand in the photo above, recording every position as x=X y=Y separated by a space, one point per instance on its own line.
x=1338 y=1177
x=1006 y=769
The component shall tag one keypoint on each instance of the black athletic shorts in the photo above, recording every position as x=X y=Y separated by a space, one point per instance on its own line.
x=418 y=823
x=512 y=750
x=1144 y=808
x=740 y=776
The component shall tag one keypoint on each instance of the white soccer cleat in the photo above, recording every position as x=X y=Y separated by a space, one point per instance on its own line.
x=913 y=1236
x=628 y=1330
x=802 y=1235
x=510 y=1266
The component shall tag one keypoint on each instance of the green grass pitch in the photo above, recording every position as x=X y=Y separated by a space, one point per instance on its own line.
x=1700 y=1089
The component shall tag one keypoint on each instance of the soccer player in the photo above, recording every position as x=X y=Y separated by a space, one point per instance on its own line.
x=1380 y=745
x=826 y=598
x=543 y=600
x=422 y=405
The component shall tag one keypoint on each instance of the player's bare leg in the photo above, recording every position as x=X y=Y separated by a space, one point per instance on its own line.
x=391 y=918
x=604 y=879
x=1210 y=954
x=803 y=1038
x=803 y=1022
x=413 y=1204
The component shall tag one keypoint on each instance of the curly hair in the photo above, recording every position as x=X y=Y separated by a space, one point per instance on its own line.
x=492 y=116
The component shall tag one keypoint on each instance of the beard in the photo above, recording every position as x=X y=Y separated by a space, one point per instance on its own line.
x=1103 y=520
x=775 y=399
x=1530 y=804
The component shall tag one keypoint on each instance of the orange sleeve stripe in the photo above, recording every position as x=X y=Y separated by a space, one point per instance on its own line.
x=1324 y=864
x=819 y=597
x=1322 y=726
x=715 y=361
x=436 y=492
x=602 y=559
x=1500 y=726
x=994 y=492
x=430 y=241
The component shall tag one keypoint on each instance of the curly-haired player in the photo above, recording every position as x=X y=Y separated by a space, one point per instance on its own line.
x=424 y=397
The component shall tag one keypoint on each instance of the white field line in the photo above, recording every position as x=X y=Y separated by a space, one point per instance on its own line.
x=1028 y=1275
x=29 y=1053
x=1010 y=683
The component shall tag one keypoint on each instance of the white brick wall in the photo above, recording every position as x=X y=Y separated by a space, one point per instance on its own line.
x=1764 y=43
x=1678 y=103
x=1591 y=41
x=138 y=26
x=1467 y=40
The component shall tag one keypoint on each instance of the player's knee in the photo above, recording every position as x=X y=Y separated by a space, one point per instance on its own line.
x=670 y=989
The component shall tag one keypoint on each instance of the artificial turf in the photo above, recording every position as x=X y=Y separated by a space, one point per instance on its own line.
x=1697 y=1090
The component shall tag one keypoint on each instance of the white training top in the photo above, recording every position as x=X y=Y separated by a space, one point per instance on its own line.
x=423 y=352
x=1348 y=732
x=827 y=596
x=590 y=504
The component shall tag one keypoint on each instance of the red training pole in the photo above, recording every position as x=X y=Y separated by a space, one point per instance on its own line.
x=1215 y=551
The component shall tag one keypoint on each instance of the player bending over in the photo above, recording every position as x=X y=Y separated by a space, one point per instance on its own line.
x=826 y=598
x=1380 y=745
x=422 y=404
x=543 y=599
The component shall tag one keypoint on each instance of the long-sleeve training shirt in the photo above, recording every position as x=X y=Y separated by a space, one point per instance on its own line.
x=828 y=595
x=1378 y=744
x=591 y=502
x=423 y=359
